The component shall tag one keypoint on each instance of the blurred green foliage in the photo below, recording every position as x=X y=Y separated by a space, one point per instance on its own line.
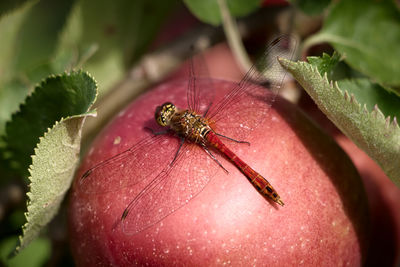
x=35 y=255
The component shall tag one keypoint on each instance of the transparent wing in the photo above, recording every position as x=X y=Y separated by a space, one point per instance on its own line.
x=199 y=100
x=171 y=189
x=131 y=167
x=245 y=106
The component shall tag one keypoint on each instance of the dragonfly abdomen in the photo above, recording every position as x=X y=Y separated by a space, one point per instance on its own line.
x=258 y=181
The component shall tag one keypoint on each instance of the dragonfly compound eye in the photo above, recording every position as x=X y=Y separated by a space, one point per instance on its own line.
x=164 y=113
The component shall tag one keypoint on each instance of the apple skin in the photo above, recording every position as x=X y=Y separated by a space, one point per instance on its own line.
x=384 y=199
x=324 y=221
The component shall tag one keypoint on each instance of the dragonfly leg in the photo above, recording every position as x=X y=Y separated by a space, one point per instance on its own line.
x=213 y=157
x=234 y=140
x=177 y=152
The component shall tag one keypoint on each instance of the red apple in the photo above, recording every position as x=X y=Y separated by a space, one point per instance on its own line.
x=324 y=220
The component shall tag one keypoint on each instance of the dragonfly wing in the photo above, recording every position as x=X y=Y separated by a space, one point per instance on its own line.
x=199 y=100
x=171 y=189
x=244 y=107
x=131 y=167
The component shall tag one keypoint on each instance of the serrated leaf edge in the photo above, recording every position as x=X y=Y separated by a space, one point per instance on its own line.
x=41 y=138
x=308 y=75
x=44 y=81
x=31 y=169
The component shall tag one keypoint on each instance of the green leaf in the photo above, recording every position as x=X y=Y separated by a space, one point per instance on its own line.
x=52 y=171
x=334 y=66
x=35 y=255
x=62 y=101
x=372 y=94
x=208 y=10
x=367 y=34
x=326 y=63
x=371 y=131
x=365 y=92
x=55 y=98
x=311 y=7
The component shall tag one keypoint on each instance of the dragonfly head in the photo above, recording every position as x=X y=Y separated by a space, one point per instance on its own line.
x=164 y=113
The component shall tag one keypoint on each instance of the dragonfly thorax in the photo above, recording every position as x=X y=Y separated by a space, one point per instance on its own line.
x=185 y=123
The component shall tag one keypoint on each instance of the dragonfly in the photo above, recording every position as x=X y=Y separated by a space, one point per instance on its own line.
x=194 y=142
